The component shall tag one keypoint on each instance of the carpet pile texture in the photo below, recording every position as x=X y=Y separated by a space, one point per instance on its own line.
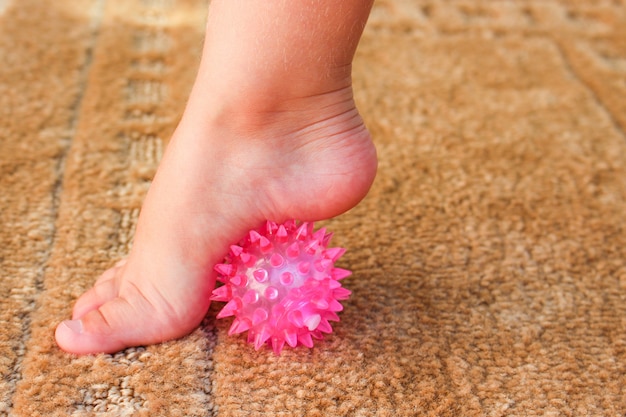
x=489 y=258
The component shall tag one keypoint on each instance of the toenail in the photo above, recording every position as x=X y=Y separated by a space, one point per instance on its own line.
x=75 y=326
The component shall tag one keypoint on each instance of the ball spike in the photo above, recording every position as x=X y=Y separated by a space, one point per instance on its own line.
x=341 y=293
x=277 y=345
x=303 y=231
x=235 y=250
x=312 y=321
x=340 y=273
x=334 y=253
x=260 y=275
x=331 y=315
x=305 y=339
x=271 y=293
x=271 y=227
x=254 y=236
x=335 y=306
x=295 y=318
x=325 y=326
x=281 y=234
x=251 y=297
x=327 y=239
x=230 y=309
x=222 y=293
x=261 y=337
x=276 y=260
x=320 y=303
x=316 y=334
x=239 y=326
x=322 y=264
x=239 y=280
x=245 y=258
x=227 y=270
x=303 y=268
x=265 y=245
x=286 y=279
x=319 y=235
x=332 y=284
x=291 y=338
x=311 y=247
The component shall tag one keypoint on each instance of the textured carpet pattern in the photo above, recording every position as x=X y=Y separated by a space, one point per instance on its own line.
x=489 y=258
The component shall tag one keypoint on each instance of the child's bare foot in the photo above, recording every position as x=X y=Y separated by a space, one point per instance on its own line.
x=210 y=189
x=242 y=154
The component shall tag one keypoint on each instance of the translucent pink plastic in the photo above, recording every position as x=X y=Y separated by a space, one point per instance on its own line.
x=281 y=285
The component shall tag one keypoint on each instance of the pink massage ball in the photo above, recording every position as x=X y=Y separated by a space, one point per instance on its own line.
x=281 y=285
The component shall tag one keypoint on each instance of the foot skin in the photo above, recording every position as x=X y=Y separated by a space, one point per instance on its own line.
x=224 y=173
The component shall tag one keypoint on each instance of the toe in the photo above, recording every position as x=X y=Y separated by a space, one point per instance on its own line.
x=104 y=291
x=107 y=329
x=111 y=273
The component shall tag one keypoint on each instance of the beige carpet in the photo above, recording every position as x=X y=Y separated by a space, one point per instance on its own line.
x=489 y=258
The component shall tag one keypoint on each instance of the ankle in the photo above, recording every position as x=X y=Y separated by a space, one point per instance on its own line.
x=274 y=110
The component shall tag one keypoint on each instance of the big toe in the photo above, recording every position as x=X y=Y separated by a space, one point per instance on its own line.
x=120 y=322
x=106 y=329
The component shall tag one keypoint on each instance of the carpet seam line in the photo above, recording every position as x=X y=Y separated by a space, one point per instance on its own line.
x=57 y=188
x=567 y=64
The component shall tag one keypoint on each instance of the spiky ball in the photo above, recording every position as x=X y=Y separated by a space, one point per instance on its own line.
x=281 y=285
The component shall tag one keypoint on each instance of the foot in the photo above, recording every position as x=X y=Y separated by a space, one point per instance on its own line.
x=225 y=172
